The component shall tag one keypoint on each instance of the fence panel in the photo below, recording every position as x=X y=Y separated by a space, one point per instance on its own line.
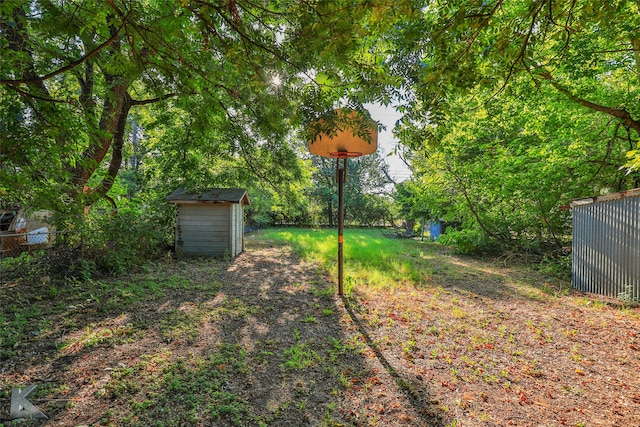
x=606 y=245
x=38 y=256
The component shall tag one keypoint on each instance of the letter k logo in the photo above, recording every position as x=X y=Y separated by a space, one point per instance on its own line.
x=21 y=407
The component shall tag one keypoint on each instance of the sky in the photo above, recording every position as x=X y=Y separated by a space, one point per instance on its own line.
x=388 y=116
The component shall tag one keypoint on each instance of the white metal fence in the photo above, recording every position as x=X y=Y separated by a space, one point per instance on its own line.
x=606 y=245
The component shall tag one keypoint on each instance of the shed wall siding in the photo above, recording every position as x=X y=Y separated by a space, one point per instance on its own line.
x=237 y=229
x=232 y=230
x=606 y=247
x=203 y=229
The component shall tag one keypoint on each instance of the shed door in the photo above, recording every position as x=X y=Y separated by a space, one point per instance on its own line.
x=203 y=230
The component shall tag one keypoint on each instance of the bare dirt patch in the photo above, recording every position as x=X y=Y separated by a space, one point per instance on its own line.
x=264 y=340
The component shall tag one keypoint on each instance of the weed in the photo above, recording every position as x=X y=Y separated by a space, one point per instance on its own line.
x=239 y=308
x=299 y=357
x=629 y=296
x=309 y=319
x=350 y=283
x=187 y=391
x=454 y=373
x=433 y=330
x=122 y=382
x=408 y=348
x=322 y=292
x=345 y=380
x=328 y=418
x=459 y=313
x=181 y=325
x=93 y=336
x=575 y=354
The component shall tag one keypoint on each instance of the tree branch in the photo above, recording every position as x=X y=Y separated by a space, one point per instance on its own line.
x=67 y=67
x=134 y=102
x=116 y=150
x=40 y=98
x=472 y=208
x=619 y=113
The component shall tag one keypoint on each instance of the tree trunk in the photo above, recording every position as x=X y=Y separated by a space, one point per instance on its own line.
x=408 y=228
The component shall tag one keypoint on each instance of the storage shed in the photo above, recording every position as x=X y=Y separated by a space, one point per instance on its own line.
x=606 y=244
x=210 y=222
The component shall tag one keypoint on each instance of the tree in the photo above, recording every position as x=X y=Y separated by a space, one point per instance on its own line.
x=587 y=52
x=511 y=109
x=415 y=204
x=366 y=189
x=73 y=71
x=505 y=169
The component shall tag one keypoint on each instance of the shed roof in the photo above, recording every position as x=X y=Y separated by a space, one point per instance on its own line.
x=606 y=198
x=211 y=195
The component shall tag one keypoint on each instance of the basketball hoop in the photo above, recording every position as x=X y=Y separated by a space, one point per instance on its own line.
x=343 y=135
x=344 y=154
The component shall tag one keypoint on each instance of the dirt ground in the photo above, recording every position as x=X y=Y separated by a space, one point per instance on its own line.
x=478 y=348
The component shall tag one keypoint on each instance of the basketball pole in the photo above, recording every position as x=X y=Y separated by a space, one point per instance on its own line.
x=356 y=134
x=341 y=176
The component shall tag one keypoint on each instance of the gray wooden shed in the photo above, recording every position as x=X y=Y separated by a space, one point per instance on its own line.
x=210 y=222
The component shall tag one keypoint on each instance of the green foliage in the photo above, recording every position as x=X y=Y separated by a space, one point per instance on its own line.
x=469 y=241
x=115 y=243
x=512 y=110
x=633 y=160
x=365 y=194
x=629 y=295
x=503 y=169
x=217 y=92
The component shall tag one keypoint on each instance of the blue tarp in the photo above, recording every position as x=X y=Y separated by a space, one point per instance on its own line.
x=435 y=229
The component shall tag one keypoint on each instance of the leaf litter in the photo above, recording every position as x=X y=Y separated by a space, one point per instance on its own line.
x=264 y=340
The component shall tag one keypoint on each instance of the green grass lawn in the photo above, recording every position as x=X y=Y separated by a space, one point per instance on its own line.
x=370 y=258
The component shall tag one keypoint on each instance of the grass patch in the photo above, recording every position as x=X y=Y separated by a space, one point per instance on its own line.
x=184 y=391
x=371 y=259
x=94 y=336
x=376 y=262
x=27 y=309
x=182 y=325
x=299 y=356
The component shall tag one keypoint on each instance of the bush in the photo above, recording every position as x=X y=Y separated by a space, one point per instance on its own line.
x=469 y=241
x=120 y=242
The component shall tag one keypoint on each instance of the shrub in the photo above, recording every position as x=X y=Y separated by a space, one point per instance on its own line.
x=117 y=243
x=469 y=241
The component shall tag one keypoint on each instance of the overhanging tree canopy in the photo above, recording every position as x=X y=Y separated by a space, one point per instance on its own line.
x=588 y=51
x=72 y=71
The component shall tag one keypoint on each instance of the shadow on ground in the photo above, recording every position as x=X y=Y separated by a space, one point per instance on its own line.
x=259 y=340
